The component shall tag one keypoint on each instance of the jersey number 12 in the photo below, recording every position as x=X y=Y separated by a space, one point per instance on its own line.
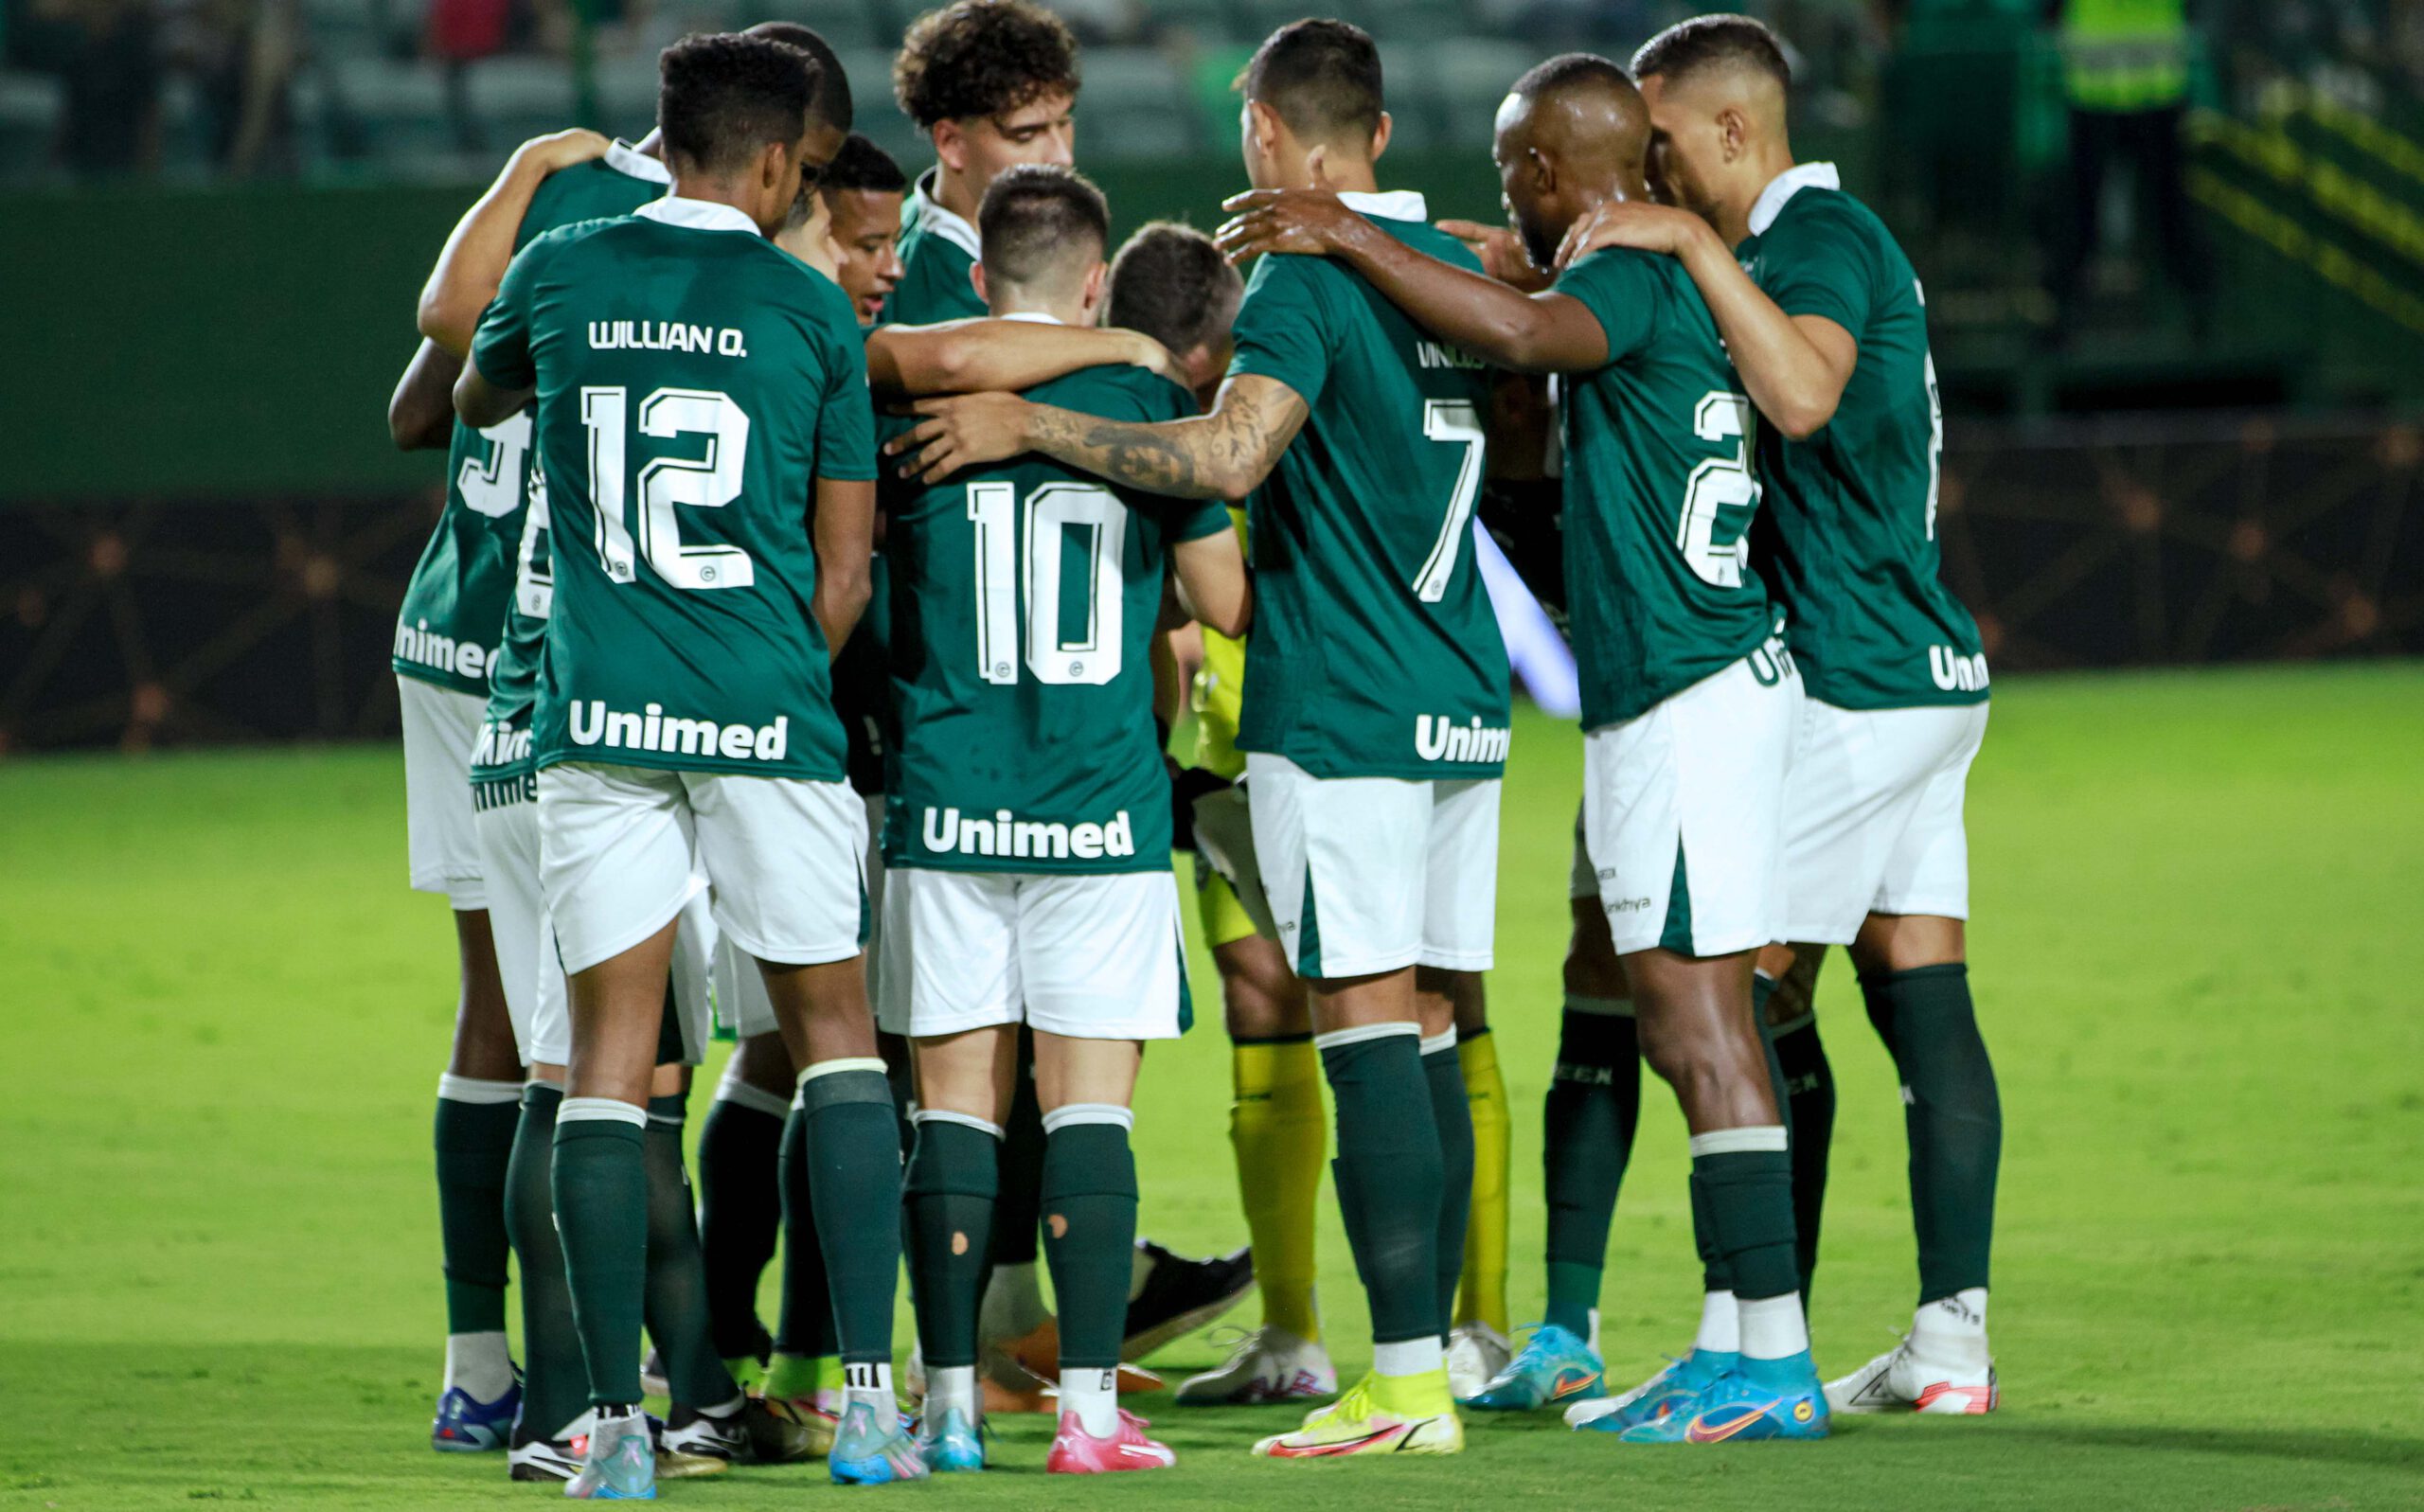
x=709 y=482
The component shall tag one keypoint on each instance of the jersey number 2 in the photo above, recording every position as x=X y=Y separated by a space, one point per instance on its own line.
x=1056 y=653
x=709 y=482
x=1723 y=492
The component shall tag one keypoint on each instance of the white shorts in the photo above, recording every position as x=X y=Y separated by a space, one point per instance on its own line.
x=1872 y=816
x=1683 y=810
x=1374 y=874
x=622 y=849
x=741 y=1002
x=441 y=729
x=1089 y=958
x=537 y=997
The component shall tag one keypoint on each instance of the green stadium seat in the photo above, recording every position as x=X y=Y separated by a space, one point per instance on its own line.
x=1210 y=23
x=1474 y=76
x=393 y=111
x=1134 y=105
x=515 y=99
x=30 y=105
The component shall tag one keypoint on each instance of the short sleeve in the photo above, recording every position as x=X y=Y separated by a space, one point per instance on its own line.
x=1194 y=518
x=846 y=430
x=1819 y=263
x=501 y=346
x=1624 y=292
x=1283 y=328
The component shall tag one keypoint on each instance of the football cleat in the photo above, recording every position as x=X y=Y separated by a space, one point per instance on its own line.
x=1737 y=1407
x=951 y=1446
x=1181 y=1295
x=792 y=1429
x=1268 y=1365
x=1552 y=1367
x=869 y=1449
x=465 y=1425
x=1680 y=1382
x=1904 y=1381
x=1075 y=1452
x=1476 y=1353
x=696 y=1443
x=1380 y=1415
x=620 y=1462
x=1022 y=1366
x=652 y=1381
x=550 y=1459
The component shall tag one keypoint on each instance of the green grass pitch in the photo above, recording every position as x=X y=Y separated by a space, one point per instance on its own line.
x=2197 y=900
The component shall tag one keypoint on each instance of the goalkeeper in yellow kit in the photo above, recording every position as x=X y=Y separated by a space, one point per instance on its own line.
x=1275 y=1120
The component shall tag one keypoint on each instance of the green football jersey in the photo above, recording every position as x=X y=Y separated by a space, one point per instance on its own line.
x=454 y=605
x=936 y=249
x=1376 y=653
x=504 y=749
x=694 y=380
x=1659 y=491
x=1024 y=599
x=1851 y=511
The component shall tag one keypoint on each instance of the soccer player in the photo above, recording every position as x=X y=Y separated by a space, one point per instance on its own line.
x=681 y=715
x=1828 y=326
x=1375 y=711
x=1689 y=700
x=1027 y=839
x=864 y=188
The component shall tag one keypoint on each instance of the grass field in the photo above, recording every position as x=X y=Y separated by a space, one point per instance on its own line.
x=2197 y=902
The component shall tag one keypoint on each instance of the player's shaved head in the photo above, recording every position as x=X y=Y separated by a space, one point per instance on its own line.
x=1740 y=48
x=1322 y=80
x=1572 y=133
x=1044 y=229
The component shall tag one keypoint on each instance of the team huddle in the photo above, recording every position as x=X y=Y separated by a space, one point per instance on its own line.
x=826 y=560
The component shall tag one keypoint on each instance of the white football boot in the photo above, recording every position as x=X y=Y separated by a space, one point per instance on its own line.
x=1911 y=1378
x=1476 y=1353
x=1268 y=1365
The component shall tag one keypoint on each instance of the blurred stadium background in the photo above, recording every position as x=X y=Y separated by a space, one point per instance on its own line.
x=2173 y=260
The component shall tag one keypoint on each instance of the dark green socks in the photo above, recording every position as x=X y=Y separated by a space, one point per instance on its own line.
x=555 y=1382
x=1809 y=1108
x=601 y=1212
x=1388 y=1173
x=1453 y=1114
x=1587 y=1125
x=804 y=1327
x=853 y=1168
x=1742 y=1210
x=676 y=1298
x=1089 y=1210
x=740 y=1209
x=954 y=1174
x=1022 y=1187
x=474 y=1133
x=1952 y=1115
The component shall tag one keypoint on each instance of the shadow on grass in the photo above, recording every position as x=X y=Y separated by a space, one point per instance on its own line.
x=2374 y=1449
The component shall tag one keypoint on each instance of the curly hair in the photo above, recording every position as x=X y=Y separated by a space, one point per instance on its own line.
x=982 y=57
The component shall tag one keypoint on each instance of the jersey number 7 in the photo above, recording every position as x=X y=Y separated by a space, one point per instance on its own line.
x=1455 y=421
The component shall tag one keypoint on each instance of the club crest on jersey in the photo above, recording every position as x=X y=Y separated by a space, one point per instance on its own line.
x=653 y=730
x=665 y=336
x=1954 y=672
x=949 y=832
x=1436 y=738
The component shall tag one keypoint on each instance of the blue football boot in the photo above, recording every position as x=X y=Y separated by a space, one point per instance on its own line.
x=1554 y=1367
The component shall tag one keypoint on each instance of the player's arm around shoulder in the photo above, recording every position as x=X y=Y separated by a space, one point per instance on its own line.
x=969 y=356
x=843 y=535
x=472 y=263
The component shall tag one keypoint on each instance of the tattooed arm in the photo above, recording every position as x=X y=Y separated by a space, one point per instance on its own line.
x=1224 y=454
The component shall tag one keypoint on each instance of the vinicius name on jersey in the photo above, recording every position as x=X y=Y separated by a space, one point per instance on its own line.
x=665 y=336
x=422 y=647
x=949 y=832
x=653 y=730
x=1436 y=739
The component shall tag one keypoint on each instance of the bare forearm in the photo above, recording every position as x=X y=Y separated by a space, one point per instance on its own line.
x=970 y=356
x=473 y=260
x=1209 y=457
x=1786 y=375
x=420 y=414
x=841 y=598
x=1500 y=324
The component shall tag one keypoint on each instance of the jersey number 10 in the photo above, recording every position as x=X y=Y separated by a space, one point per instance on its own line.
x=1054 y=654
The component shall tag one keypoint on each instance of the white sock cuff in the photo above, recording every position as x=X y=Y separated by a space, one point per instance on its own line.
x=473 y=1090
x=1738 y=1141
x=601 y=1110
x=1089 y=1113
x=741 y=1094
x=1445 y=1040
x=828 y=1068
x=1409 y=1356
x=1362 y=1032
x=944 y=1115
x=1599 y=1008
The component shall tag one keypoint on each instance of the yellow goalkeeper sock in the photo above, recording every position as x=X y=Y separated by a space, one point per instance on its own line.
x=1484 y=1296
x=1277 y=1127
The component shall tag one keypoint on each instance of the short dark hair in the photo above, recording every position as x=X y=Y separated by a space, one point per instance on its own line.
x=1321 y=77
x=861 y=165
x=1170 y=282
x=832 y=105
x=723 y=97
x=982 y=57
x=1571 y=69
x=1037 y=218
x=1705 y=42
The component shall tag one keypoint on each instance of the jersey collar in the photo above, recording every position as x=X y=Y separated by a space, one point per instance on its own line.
x=1801 y=177
x=1033 y=318
x=632 y=162
x=1394 y=204
x=697 y=214
x=932 y=217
